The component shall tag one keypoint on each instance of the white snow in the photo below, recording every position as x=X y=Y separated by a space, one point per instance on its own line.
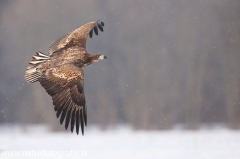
x=38 y=142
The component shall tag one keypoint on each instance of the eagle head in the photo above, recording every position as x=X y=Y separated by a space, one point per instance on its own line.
x=98 y=57
x=101 y=57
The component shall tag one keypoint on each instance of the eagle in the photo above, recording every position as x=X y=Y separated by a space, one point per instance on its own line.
x=62 y=76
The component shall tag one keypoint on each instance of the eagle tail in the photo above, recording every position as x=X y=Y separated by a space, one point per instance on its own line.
x=32 y=74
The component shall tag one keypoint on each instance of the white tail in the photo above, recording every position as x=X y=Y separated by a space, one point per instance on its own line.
x=32 y=74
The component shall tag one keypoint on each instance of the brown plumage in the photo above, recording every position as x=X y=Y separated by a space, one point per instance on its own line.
x=61 y=74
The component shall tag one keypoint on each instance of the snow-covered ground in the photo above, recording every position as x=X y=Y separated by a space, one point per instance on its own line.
x=38 y=142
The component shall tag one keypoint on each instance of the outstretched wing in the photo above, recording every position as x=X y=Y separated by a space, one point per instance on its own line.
x=65 y=85
x=77 y=37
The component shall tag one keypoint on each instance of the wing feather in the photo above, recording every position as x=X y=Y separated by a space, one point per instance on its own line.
x=95 y=30
x=100 y=27
x=65 y=85
x=77 y=120
x=63 y=116
x=73 y=119
x=82 y=121
x=85 y=114
x=68 y=117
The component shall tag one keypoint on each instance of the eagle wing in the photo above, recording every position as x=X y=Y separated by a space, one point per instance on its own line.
x=65 y=85
x=77 y=37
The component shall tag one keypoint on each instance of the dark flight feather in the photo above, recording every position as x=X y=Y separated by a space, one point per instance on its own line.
x=85 y=114
x=82 y=121
x=63 y=116
x=102 y=23
x=68 y=117
x=100 y=27
x=77 y=120
x=73 y=119
x=91 y=34
x=95 y=30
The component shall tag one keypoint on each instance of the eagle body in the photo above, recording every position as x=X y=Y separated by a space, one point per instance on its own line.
x=74 y=55
x=61 y=74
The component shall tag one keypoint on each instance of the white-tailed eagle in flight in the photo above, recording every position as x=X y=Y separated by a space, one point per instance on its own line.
x=61 y=74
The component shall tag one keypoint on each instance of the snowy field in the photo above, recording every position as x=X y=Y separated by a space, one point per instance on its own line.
x=38 y=142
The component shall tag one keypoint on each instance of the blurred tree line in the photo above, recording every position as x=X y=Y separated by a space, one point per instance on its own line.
x=169 y=61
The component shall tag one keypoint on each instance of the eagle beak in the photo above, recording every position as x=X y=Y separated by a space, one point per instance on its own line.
x=102 y=57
